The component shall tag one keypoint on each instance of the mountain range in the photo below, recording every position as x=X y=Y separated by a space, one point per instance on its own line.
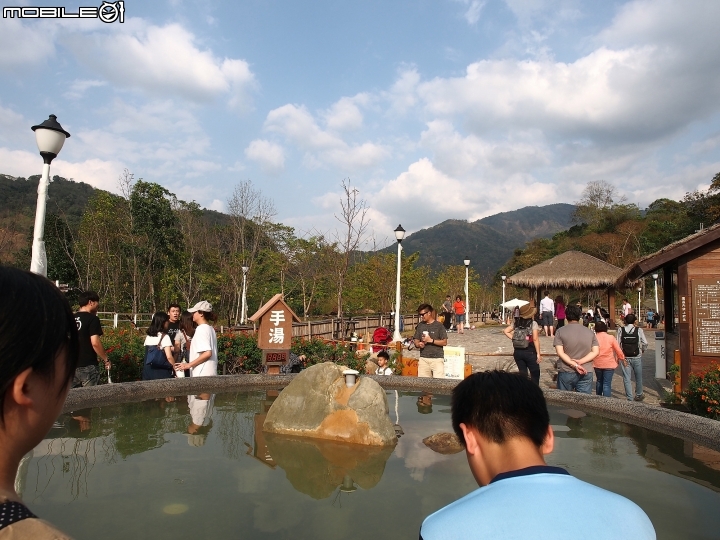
x=488 y=242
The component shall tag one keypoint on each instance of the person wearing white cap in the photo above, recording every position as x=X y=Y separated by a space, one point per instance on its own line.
x=203 y=348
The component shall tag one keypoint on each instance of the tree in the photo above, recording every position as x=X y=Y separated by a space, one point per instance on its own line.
x=353 y=226
x=602 y=208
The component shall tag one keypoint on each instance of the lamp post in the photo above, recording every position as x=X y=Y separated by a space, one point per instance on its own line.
x=657 y=307
x=504 y=277
x=638 y=313
x=399 y=235
x=467 y=298
x=50 y=137
x=243 y=312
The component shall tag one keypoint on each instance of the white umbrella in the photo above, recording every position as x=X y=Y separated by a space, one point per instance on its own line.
x=514 y=303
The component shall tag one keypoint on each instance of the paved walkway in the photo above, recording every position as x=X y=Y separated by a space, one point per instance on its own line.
x=488 y=348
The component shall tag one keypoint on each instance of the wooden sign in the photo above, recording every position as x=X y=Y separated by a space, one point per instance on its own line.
x=275 y=332
x=706 y=316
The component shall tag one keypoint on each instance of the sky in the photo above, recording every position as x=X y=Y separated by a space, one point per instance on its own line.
x=433 y=109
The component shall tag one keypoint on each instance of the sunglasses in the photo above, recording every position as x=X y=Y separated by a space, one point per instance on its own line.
x=424 y=313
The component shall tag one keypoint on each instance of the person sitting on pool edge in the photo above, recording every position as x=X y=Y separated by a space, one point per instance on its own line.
x=38 y=354
x=503 y=422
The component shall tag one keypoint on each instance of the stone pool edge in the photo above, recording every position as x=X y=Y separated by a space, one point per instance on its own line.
x=679 y=424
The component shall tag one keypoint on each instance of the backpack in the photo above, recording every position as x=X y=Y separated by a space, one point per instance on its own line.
x=522 y=334
x=630 y=342
x=155 y=356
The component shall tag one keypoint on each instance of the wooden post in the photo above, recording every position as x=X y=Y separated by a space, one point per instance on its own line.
x=611 y=306
x=678 y=376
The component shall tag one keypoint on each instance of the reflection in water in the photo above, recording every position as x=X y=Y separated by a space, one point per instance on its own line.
x=165 y=466
x=317 y=467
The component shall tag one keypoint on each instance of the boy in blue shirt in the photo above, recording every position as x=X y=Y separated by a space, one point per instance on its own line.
x=504 y=424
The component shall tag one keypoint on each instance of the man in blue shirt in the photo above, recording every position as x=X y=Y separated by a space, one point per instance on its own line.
x=504 y=424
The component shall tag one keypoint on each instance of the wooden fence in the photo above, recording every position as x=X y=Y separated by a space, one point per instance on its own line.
x=332 y=328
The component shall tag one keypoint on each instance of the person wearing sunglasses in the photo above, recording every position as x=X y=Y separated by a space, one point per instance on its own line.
x=430 y=338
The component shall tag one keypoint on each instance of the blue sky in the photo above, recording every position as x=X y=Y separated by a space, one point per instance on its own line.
x=434 y=109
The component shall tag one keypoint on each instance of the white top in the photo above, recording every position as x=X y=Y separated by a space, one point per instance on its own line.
x=201 y=409
x=204 y=340
x=383 y=371
x=547 y=304
x=626 y=309
x=154 y=340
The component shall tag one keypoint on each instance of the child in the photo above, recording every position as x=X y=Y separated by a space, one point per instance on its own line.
x=382 y=360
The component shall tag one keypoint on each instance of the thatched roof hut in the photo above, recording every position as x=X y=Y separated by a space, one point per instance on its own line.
x=569 y=270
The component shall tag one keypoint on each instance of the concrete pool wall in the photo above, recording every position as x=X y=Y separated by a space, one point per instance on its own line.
x=694 y=428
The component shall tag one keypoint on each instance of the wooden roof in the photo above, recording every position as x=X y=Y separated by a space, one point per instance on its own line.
x=269 y=304
x=669 y=253
x=569 y=270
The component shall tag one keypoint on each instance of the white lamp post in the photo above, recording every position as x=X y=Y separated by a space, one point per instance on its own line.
x=399 y=235
x=657 y=307
x=50 y=137
x=467 y=298
x=638 y=313
x=504 y=277
x=243 y=313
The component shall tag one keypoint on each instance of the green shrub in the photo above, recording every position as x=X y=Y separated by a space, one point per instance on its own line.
x=703 y=393
x=126 y=350
x=239 y=353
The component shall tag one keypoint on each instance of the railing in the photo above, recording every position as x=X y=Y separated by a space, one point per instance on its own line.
x=332 y=328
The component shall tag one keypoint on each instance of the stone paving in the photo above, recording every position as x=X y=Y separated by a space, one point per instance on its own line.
x=486 y=340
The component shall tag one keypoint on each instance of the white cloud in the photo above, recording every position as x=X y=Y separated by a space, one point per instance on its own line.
x=163 y=61
x=403 y=93
x=23 y=46
x=323 y=147
x=474 y=8
x=78 y=88
x=345 y=115
x=268 y=155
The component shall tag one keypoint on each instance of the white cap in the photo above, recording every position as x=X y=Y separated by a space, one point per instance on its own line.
x=202 y=305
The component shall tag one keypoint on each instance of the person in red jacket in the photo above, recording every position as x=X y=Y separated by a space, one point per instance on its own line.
x=459 y=308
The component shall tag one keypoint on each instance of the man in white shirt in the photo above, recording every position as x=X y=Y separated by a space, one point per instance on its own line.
x=626 y=309
x=547 y=313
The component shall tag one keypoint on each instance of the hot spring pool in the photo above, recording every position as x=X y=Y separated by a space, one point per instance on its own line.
x=201 y=468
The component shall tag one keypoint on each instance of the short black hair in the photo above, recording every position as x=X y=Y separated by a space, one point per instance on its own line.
x=600 y=326
x=85 y=297
x=424 y=307
x=501 y=406
x=545 y=293
x=174 y=305
x=157 y=324
x=36 y=323
x=630 y=318
x=384 y=354
x=573 y=313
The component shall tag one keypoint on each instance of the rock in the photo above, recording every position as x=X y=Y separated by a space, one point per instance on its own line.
x=370 y=367
x=444 y=443
x=318 y=404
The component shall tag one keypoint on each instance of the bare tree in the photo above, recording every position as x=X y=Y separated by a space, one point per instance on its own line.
x=353 y=226
x=250 y=214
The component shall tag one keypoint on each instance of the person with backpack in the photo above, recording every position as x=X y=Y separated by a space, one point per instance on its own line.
x=159 y=358
x=633 y=343
x=525 y=336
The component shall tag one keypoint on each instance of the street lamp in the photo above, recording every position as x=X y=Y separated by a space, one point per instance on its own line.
x=399 y=235
x=50 y=137
x=657 y=307
x=504 y=277
x=243 y=313
x=638 y=313
x=467 y=299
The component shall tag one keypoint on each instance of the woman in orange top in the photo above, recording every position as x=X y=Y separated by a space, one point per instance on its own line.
x=459 y=307
x=607 y=360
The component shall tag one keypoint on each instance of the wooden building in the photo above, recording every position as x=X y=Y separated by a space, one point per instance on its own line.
x=690 y=270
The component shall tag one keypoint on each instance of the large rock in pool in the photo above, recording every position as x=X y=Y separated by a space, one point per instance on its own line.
x=318 y=404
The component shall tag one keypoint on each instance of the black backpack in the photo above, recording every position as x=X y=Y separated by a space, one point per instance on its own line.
x=522 y=334
x=630 y=342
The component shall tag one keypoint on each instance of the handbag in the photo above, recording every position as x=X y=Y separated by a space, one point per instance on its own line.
x=155 y=356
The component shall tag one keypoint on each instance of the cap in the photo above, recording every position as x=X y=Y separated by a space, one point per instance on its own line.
x=202 y=305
